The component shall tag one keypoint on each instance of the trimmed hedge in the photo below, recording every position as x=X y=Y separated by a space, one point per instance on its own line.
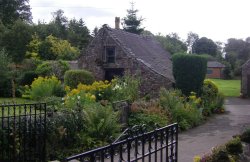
x=73 y=77
x=189 y=72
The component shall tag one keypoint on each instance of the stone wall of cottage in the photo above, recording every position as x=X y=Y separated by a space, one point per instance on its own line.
x=92 y=61
x=245 y=79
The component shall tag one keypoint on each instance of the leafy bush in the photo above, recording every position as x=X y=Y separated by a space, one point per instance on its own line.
x=125 y=88
x=73 y=77
x=101 y=123
x=63 y=129
x=76 y=130
x=212 y=100
x=50 y=68
x=27 y=78
x=209 y=91
x=245 y=137
x=151 y=120
x=44 y=87
x=219 y=154
x=149 y=113
x=186 y=113
x=234 y=146
x=5 y=88
x=189 y=72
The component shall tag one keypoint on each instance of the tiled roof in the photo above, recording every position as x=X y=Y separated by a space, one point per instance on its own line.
x=145 y=49
x=211 y=64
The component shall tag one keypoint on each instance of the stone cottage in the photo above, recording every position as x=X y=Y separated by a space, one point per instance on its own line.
x=214 y=69
x=113 y=52
x=245 y=79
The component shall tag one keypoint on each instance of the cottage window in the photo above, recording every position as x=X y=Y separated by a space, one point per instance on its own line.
x=209 y=71
x=110 y=54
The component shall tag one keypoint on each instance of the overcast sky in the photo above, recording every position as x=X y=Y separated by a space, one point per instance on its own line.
x=215 y=19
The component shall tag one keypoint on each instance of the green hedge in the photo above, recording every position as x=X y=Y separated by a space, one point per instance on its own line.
x=73 y=77
x=189 y=72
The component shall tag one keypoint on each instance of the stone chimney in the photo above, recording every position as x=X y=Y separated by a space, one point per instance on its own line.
x=117 y=22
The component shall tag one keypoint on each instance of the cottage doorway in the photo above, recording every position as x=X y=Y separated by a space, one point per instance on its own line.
x=248 y=85
x=112 y=73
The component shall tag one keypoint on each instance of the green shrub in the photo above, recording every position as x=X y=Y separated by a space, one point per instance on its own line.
x=212 y=100
x=101 y=123
x=245 y=137
x=189 y=72
x=185 y=113
x=45 y=87
x=5 y=88
x=125 y=88
x=150 y=120
x=27 y=78
x=63 y=129
x=209 y=90
x=234 y=146
x=73 y=77
x=50 y=68
x=170 y=99
x=187 y=116
x=219 y=154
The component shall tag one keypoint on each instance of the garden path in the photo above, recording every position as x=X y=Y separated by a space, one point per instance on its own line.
x=216 y=131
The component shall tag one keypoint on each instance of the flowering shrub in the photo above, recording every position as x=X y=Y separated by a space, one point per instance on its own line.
x=212 y=100
x=85 y=94
x=125 y=88
x=44 y=87
x=183 y=110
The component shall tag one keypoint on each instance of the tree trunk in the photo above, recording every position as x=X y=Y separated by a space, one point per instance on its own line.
x=13 y=88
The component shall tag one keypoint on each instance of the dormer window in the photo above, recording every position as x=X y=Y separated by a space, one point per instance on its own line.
x=110 y=54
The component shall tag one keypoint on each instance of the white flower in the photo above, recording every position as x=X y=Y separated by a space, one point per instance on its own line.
x=78 y=97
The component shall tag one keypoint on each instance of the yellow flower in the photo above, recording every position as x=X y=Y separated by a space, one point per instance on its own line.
x=67 y=88
x=93 y=97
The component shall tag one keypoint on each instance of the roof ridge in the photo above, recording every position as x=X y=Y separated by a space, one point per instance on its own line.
x=117 y=34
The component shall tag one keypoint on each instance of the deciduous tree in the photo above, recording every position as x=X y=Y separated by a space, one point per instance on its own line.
x=172 y=43
x=204 y=46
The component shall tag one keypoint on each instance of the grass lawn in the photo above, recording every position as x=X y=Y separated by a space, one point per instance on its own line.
x=15 y=100
x=230 y=88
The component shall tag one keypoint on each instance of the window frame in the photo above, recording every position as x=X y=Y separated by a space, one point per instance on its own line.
x=107 y=56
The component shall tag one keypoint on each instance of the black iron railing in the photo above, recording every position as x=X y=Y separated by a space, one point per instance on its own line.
x=158 y=145
x=22 y=132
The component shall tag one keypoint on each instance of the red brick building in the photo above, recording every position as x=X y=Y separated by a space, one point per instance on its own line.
x=214 y=69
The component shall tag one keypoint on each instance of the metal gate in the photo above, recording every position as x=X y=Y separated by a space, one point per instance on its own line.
x=22 y=132
x=160 y=145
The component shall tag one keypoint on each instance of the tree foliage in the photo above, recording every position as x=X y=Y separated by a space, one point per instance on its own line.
x=73 y=30
x=189 y=72
x=4 y=62
x=237 y=53
x=15 y=40
x=54 y=48
x=204 y=46
x=172 y=43
x=78 y=33
x=191 y=38
x=132 y=23
x=12 y=10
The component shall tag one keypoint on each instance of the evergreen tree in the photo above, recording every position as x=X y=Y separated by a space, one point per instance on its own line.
x=131 y=23
x=12 y=10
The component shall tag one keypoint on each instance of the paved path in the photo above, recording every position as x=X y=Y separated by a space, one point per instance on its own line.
x=217 y=130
